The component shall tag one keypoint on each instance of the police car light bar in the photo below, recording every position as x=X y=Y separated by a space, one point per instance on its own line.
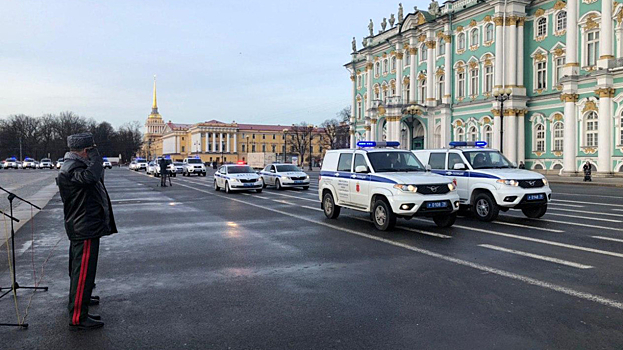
x=372 y=144
x=468 y=144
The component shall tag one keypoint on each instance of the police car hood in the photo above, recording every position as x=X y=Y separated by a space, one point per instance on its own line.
x=293 y=174
x=245 y=176
x=511 y=174
x=415 y=178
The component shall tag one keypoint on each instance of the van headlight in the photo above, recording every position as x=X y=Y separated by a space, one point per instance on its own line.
x=544 y=181
x=513 y=183
x=406 y=188
x=233 y=179
x=307 y=177
x=451 y=187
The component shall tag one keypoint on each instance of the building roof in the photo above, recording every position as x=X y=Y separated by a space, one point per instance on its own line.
x=263 y=127
x=178 y=126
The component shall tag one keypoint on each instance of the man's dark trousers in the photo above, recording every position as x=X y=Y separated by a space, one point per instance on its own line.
x=83 y=257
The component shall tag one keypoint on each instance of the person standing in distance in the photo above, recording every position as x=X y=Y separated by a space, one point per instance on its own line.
x=88 y=216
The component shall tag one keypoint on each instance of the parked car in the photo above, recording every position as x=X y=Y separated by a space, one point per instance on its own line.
x=46 y=163
x=59 y=163
x=29 y=163
x=10 y=163
x=106 y=164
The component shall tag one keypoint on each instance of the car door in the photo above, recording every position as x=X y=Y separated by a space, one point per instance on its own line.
x=221 y=178
x=342 y=177
x=272 y=174
x=460 y=178
x=359 y=183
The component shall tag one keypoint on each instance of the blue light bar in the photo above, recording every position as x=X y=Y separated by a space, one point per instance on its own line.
x=468 y=144
x=364 y=144
x=481 y=143
x=458 y=144
x=371 y=144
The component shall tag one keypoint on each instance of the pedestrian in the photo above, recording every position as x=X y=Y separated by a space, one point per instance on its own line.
x=587 y=172
x=162 y=163
x=88 y=216
x=522 y=165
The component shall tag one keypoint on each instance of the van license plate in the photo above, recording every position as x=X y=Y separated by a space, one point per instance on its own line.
x=248 y=185
x=435 y=205
x=535 y=197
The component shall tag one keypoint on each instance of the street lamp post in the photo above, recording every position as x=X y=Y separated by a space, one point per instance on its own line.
x=285 y=145
x=311 y=128
x=502 y=95
x=247 y=148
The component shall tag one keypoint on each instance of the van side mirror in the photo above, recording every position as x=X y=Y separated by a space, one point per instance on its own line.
x=272 y=170
x=428 y=167
x=459 y=166
x=362 y=169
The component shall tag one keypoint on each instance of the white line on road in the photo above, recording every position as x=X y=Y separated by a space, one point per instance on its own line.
x=618 y=209
x=586 y=195
x=428 y=233
x=535 y=256
x=584 y=217
x=528 y=280
x=585 y=212
x=528 y=227
x=609 y=239
x=566 y=205
x=591 y=203
x=305 y=199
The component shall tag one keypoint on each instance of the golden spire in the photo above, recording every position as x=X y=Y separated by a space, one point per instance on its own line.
x=154 y=107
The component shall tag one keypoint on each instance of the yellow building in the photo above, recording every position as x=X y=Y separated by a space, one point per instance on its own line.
x=226 y=142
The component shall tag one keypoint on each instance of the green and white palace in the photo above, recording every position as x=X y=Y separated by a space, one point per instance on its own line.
x=540 y=80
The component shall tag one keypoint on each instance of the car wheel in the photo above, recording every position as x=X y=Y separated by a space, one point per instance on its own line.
x=258 y=190
x=227 y=189
x=445 y=220
x=535 y=212
x=383 y=216
x=306 y=188
x=216 y=188
x=278 y=185
x=485 y=208
x=331 y=210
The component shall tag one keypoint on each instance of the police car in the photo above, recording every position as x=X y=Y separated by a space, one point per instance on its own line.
x=193 y=166
x=284 y=175
x=487 y=182
x=169 y=163
x=59 y=163
x=106 y=164
x=141 y=164
x=29 y=163
x=46 y=163
x=237 y=178
x=387 y=183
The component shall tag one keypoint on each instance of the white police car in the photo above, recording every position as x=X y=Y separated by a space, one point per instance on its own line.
x=487 y=182
x=106 y=164
x=46 y=163
x=29 y=163
x=237 y=178
x=387 y=183
x=284 y=175
x=59 y=163
x=10 y=163
x=194 y=166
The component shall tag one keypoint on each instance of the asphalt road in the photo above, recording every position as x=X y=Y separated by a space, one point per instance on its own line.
x=195 y=268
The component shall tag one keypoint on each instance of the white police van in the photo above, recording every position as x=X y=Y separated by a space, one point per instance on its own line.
x=487 y=182
x=387 y=183
x=237 y=178
x=194 y=166
x=10 y=163
x=284 y=175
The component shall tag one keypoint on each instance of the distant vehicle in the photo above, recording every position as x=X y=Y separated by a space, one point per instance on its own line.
x=194 y=166
x=177 y=168
x=10 y=163
x=157 y=168
x=259 y=160
x=237 y=178
x=106 y=164
x=59 y=163
x=46 y=163
x=151 y=168
x=29 y=163
x=284 y=175
x=132 y=165
x=141 y=164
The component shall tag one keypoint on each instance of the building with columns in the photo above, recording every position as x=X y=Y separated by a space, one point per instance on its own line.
x=434 y=76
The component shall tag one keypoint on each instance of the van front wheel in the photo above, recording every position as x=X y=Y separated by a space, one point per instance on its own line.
x=382 y=215
x=331 y=210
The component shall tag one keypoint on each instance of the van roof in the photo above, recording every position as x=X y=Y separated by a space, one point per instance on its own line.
x=368 y=150
x=457 y=149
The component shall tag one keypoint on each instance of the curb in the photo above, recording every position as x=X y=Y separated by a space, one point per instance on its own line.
x=601 y=184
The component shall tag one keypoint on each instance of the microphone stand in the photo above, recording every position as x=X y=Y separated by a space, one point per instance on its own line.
x=15 y=285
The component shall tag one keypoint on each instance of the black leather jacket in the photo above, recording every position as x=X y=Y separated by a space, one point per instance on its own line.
x=87 y=207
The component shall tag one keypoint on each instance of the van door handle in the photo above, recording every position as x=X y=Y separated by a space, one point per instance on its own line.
x=337 y=174
x=448 y=173
x=353 y=176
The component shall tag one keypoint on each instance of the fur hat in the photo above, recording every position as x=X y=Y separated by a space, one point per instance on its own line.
x=80 y=141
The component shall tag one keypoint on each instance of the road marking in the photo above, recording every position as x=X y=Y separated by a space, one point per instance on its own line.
x=535 y=256
x=438 y=235
x=591 y=203
x=528 y=227
x=618 y=209
x=609 y=239
x=587 y=195
x=584 y=217
x=586 y=212
x=305 y=199
x=528 y=280
x=574 y=224
x=567 y=205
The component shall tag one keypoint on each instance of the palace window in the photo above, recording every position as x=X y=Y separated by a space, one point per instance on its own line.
x=558 y=131
x=592 y=124
x=385 y=63
x=541 y=75
x=422 y=91
x=488 y=79
x=488 y=134
x=263 y=136
x=407 y=59
x=489 y=32
x=541 y=27
x=243 y=149
x=460 y=45
x=559 y=63
x=621 y=131
x=459 y=134
x=252 y=148
x=472 y=134
x=423 y=53
x=473 y=82
x=592 y=48
x=377 y=92
x=539 y=138
x=407 y=92
x=274 y=148
x=440 y=86
x=392 y=89
x=377 y=69
x=460 y=85
x=359 y=110
x=359 y=82
x=393 y=63
x=437 y=137
x=474 y=39
x=441 y=47
x=561 y=21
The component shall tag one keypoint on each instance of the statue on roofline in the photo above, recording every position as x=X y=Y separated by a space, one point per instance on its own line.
x=400 y=13
x=433 y=8
x=392 y=20
x=384 y=24
x=354 y=43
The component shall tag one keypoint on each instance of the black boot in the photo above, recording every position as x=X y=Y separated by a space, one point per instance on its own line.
x=95 y=317
x=94 y=302
x=87 y=324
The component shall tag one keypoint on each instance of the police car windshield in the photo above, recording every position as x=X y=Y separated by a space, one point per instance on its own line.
x=281 y=168
x=46 y=160
x=384 y=162
x=243 y=169
x=178 y=163
x=194 y=161
x=487 y=160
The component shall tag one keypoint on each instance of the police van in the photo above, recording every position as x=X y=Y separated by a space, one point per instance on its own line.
x=385 y=182
x=193 y=166
x=487 y=182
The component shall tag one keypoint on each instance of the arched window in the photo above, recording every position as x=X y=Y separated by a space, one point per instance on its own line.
x=557 y=166
x=558 y=136
x=488 y=82
x=441 y=47
x=541 y=26
x=407 y=58
x=440 y=86
x=489 y=32
x=423 y=53
x=473 y=82
x=459 y=134
x=392 y=88
x=561 y=21
x=377 y=92
x=620 y=131
x=488 y=134
x=422 y=91
x=359 y=110
x=460 y=84
x=460 y=45
x=393 y=65
x=472 y=134
x=385 y=63
x=592 y=124
x=437 y=137
x=539 y=138
x=377 y=69
x=474 y=39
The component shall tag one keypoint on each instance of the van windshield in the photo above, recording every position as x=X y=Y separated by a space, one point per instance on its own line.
x=487 y=160
x=385 y=162
x=194 y=161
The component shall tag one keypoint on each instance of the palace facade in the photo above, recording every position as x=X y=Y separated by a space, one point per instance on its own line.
x=541 y=80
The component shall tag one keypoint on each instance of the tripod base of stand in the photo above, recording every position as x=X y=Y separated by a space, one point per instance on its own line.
x=23 y=325
x=16 y=286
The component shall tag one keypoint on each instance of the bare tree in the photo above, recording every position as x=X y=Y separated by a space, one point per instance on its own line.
x=330 y=129
x=300 y=139
x=344 y=115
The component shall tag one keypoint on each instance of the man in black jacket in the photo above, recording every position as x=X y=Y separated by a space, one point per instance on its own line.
x=88 y=216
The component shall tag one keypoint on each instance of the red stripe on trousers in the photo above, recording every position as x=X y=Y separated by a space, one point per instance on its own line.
x=86 y=250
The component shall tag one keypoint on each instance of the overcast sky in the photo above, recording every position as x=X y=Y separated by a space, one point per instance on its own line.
x=248 y=61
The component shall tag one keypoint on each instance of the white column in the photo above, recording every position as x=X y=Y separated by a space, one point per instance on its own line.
x=220 y=144
x=521 y=138
x=520 y=48
x=399 y=56
x=604 y=145
x=507 y=54
x=448 y=73
x=499 y=49
x=369 y=73
x=412 y=74
x=513 y=53
x=227 y=137
x=497 y=122
x=572 y=66
x=367 y=128
x=570 y=137
x=620 y=45
x=236 y=142
x=213 y=143
x=605 y=42
x=430 y=79
x=353 y=141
